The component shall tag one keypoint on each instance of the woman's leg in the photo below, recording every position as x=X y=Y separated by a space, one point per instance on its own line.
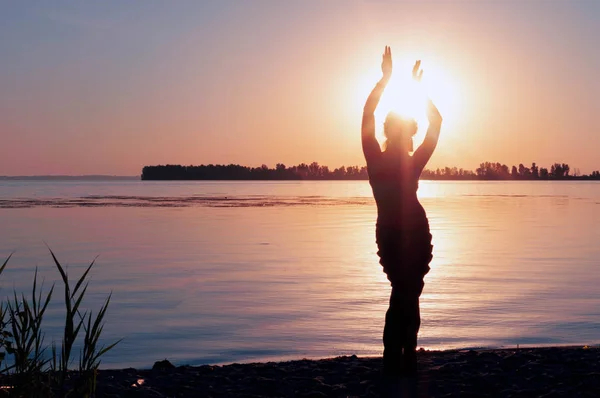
x=411 y=330
x=393 y=334
x=402 y=323
x=389 y=258
x=420 y=258
x=403 y=317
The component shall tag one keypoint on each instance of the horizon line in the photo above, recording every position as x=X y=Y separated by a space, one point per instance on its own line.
x=70 y=176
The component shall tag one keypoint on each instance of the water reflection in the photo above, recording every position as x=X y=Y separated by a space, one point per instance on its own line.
x=513 y=263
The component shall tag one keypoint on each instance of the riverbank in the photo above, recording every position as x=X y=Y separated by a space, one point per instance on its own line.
x=530 y=372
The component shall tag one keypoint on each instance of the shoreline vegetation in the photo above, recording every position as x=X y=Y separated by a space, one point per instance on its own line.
x=487 y=171
x=32 y=367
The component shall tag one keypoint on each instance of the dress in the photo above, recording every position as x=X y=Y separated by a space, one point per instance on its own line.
x=405 y=251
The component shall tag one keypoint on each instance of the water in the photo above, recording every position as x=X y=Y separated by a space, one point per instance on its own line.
x=218 y=272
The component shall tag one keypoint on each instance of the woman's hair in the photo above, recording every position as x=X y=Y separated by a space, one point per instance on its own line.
x=398 y=130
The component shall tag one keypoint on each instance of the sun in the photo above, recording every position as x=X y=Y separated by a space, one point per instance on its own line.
x=409 y=98
x=406 y=97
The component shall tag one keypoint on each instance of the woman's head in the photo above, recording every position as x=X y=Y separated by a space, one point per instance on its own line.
x=399 y=132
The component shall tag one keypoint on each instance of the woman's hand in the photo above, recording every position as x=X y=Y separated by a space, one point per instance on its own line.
x=433 y=114
x=386 y=63
x=417 y=75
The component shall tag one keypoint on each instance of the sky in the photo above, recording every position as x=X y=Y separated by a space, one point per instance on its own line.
x=109 y=87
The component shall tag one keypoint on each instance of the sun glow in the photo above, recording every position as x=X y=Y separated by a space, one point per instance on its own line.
x=408 y=97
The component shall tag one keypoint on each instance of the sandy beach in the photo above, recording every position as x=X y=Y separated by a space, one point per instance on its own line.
x=525 y=372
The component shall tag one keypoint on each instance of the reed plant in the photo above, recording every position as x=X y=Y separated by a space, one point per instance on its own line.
x=27 y=369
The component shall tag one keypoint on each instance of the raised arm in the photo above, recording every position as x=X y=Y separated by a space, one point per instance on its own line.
x=369 y=143
x=425 y=150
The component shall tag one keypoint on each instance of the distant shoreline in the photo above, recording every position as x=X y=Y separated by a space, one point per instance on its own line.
x=137 y=178
x=487 y=171
x=366 y=179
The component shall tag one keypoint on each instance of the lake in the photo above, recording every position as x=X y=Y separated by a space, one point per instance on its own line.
x=219 y=272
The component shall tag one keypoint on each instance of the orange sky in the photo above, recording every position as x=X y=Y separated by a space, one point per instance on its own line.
x=108 y=88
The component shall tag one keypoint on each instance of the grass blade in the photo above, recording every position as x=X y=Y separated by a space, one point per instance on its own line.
x=80 y=281
x=5 y=263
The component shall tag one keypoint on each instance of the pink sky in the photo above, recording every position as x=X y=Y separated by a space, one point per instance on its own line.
x=107 y=89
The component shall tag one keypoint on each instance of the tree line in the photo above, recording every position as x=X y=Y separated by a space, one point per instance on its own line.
x=315 y=171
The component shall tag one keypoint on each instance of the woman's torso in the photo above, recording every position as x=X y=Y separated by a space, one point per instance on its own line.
x=395 y=182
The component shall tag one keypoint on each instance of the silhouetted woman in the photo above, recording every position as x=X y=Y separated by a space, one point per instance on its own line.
x=402 y=231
